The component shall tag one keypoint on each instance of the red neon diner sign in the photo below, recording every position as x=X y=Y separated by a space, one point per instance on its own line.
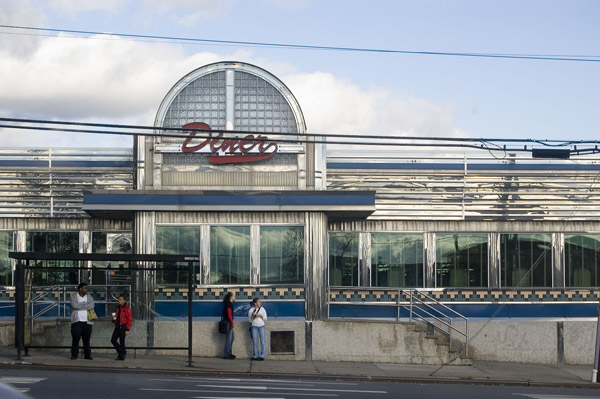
x=227 y=150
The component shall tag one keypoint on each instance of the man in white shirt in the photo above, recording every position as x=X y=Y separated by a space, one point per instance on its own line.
x=257 y=315
x=81 y=325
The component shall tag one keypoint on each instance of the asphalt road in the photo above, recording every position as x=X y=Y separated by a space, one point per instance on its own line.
x=61 y=385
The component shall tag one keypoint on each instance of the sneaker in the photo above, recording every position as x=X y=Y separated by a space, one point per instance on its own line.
x=254 y=358
x=261 y=358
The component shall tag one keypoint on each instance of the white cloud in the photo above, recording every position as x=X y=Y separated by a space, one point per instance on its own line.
x=332 y=105
x=188 y=12
x=19 y=13
x=79 y=6
x=108 y=79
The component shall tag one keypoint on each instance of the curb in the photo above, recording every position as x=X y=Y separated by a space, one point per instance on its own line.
x=323 y=377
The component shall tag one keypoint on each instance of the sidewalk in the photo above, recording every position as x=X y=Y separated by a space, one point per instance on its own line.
x=480 y=372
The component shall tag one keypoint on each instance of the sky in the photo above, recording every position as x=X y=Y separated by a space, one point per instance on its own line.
x=111 y=79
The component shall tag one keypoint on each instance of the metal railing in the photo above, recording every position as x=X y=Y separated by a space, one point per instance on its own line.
x=428 y=309
x=46 y=298
x=61 y=300
x=419 y=306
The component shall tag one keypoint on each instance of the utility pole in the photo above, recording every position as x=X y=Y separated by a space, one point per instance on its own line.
x=597 y=350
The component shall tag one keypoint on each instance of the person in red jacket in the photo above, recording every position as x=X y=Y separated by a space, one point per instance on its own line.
x=122 y=320
x=227 y=314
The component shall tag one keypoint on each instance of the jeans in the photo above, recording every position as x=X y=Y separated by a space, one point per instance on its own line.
x=81 y=330
x=119 y=333
x=228 y=342
x=256 y=331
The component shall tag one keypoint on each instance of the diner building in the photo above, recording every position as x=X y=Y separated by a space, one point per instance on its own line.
x=319 y=234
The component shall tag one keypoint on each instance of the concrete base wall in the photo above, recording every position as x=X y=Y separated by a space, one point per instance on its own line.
x=533 y=341
x=374 y=342
x=207 y=342
x=528 y=341
x=48 y=333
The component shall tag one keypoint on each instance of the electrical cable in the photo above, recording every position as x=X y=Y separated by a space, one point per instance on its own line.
x=578 y=58
x=483 y=140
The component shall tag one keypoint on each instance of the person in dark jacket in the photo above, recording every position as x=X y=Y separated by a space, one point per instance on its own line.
x=228 y=315
x=122 y=320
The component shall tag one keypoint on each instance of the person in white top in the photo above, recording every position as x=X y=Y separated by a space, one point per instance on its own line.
x=81 y=325
x=257 y=315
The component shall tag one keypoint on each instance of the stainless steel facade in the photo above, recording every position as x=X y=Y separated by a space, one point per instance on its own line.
x=419 y=184
x=49 y=183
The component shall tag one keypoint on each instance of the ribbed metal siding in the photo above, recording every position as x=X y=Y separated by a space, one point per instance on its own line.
x=466 y=186
x=50 y=182
x=229 y=217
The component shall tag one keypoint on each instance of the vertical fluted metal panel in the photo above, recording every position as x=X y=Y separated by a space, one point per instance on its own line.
x=85 y=247
x=429 y=248
x=364 y=245
x=145 y=243
x=19 y=245
x=205 y=254
x=558 y=260
x=254 y=254
x=316 y=255
x=494 y=260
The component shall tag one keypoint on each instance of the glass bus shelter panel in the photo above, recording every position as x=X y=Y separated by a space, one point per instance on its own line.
x=54 y=242
x=172 y=240
x=110 y=243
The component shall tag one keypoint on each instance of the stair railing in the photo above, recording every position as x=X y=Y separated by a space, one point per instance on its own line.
x=433 y=312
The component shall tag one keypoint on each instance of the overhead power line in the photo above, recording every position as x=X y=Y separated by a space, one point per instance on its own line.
x=576 y=58
x=487 y=144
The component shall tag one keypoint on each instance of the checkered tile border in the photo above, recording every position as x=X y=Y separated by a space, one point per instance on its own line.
x=242 y=293
x=473 y=296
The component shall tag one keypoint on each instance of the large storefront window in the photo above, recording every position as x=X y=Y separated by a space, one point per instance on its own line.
x=526 y=260
x=396 y=260
x=5 y=261
x=110 y=243
x=343 y=259
x=54 y=242
x=176 y=240
x=281 y=254
x=582 y=258
x=230 y=254
x=461 y=260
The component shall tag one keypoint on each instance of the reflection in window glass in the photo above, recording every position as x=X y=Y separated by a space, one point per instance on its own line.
x=526 y=260
x=176 y=240
x=54 y=242
x=112 y=243
x=343 y=259
x=281 y=254
x=582 y=257
x=461 y=260
x=396 y=260
x=230 y=254
x=5 y=261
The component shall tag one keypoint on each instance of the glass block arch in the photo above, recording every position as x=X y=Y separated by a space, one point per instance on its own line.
x=232 y=96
